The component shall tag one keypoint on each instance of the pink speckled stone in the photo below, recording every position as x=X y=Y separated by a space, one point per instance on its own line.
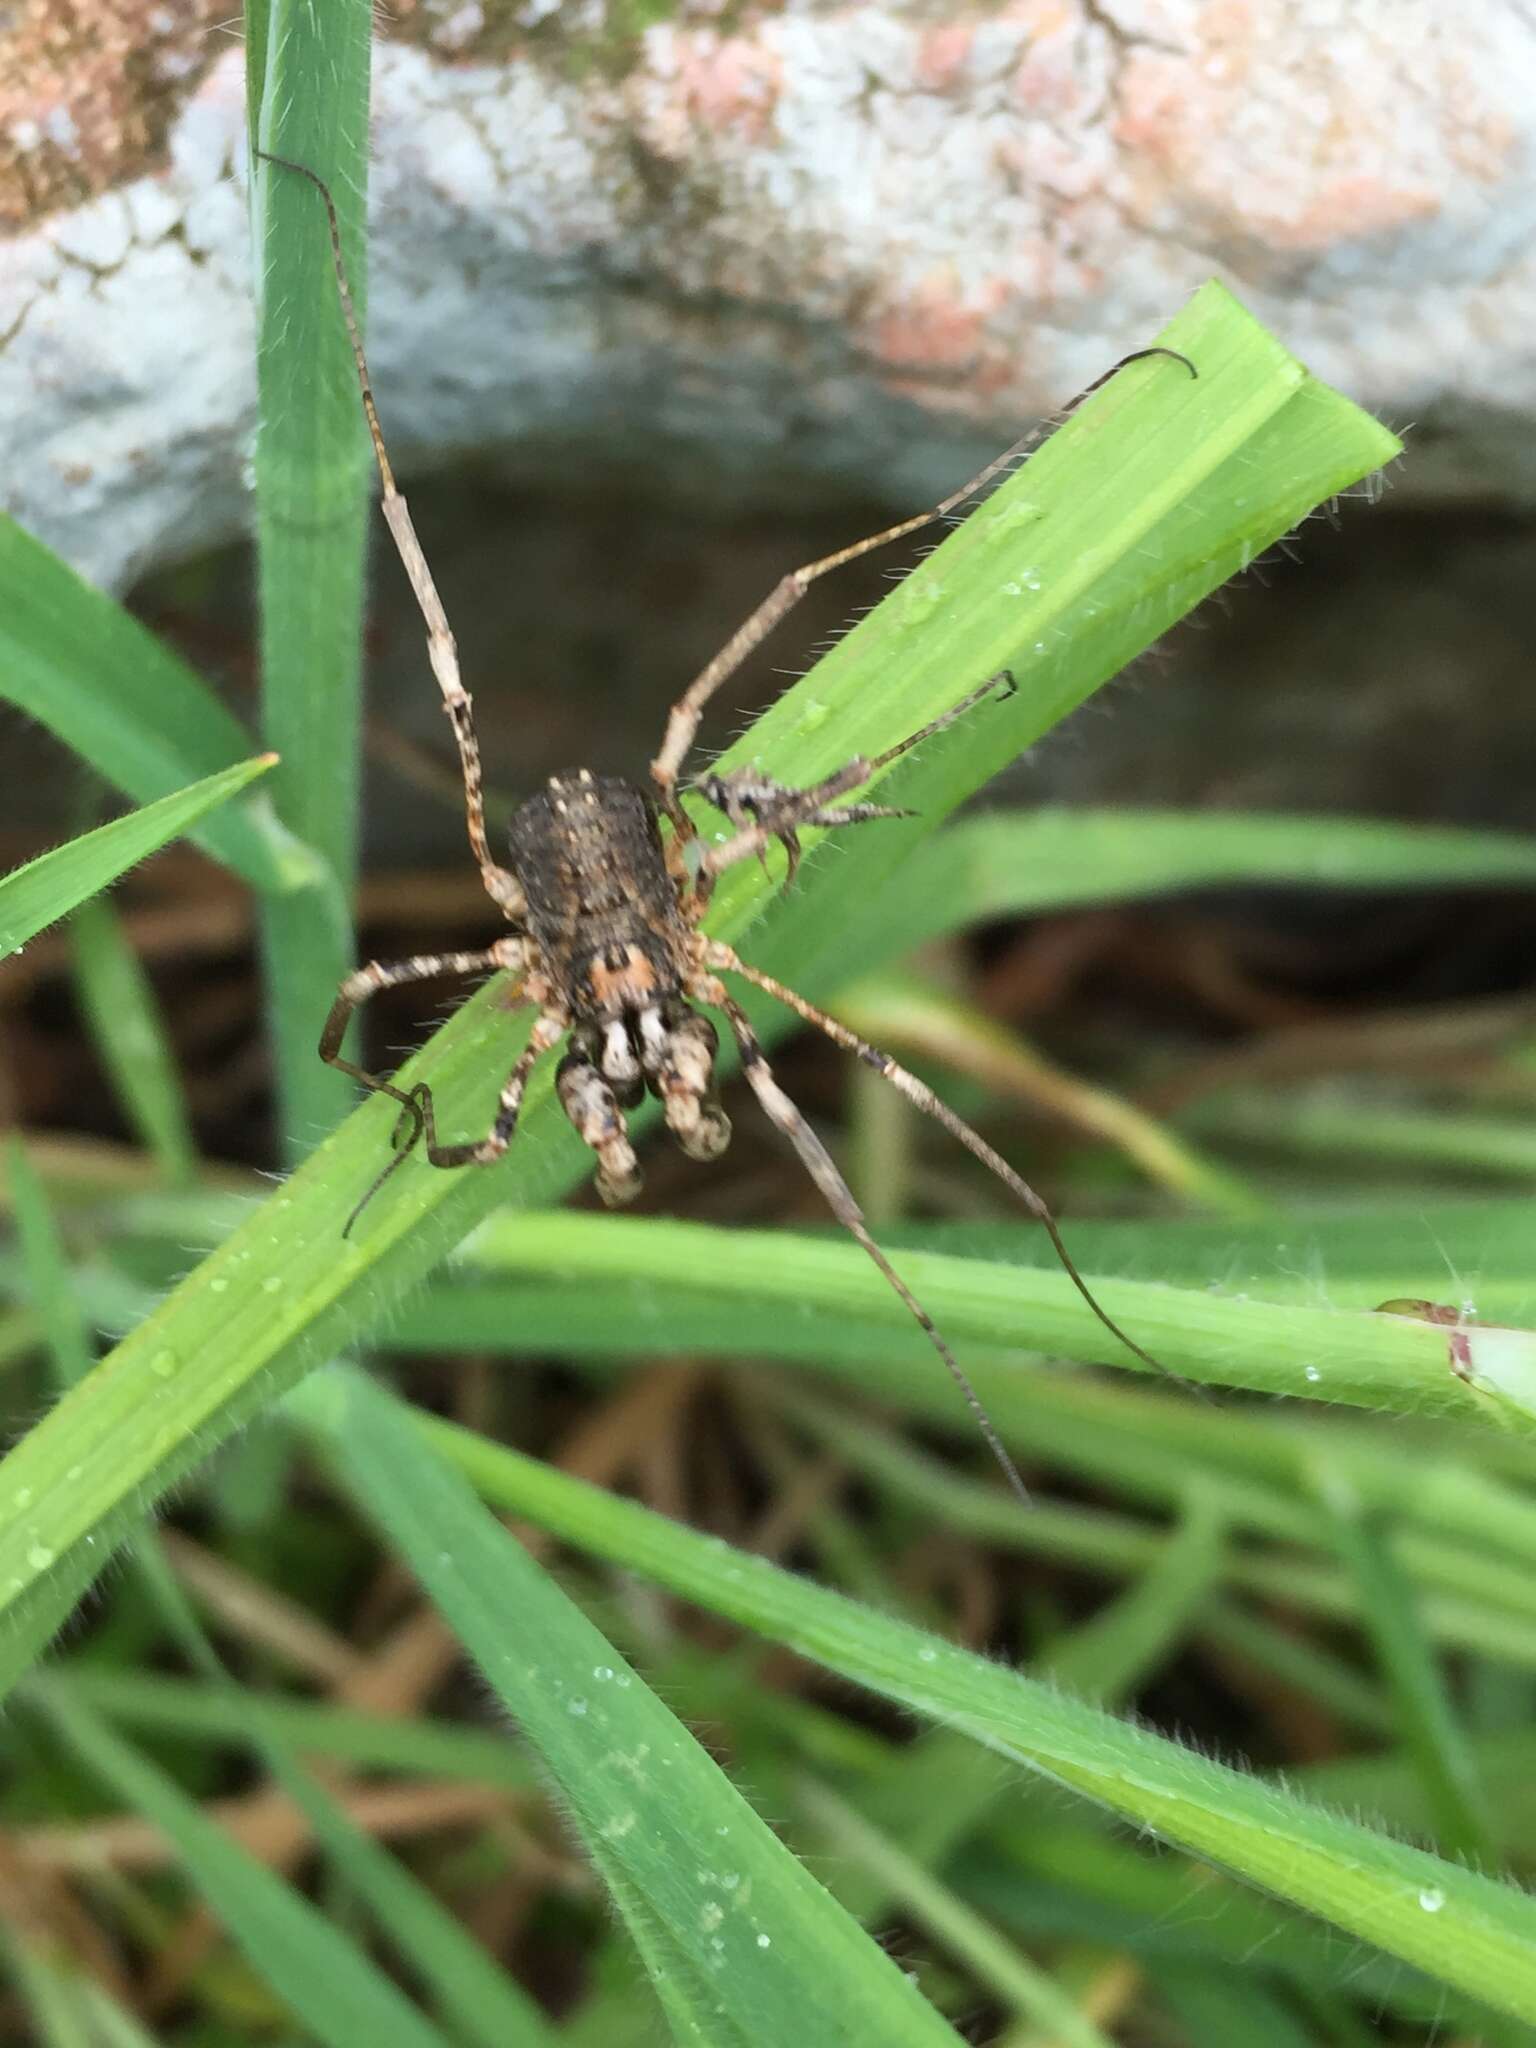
x=814 y=243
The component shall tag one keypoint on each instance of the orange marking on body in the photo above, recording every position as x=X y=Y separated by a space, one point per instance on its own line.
x=631 y=983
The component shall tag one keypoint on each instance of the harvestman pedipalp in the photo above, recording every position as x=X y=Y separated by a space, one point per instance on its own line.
x=605 y=915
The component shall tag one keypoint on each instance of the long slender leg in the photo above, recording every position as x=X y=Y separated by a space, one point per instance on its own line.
x=381 y=974
x=420 y=1119
x=548 y=1030
x=503 y=888
x=721 y=956
x=819 y=1164
x=683 y=719
x=762 y=809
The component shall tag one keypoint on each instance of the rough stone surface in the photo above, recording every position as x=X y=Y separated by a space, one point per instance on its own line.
x=759 y=252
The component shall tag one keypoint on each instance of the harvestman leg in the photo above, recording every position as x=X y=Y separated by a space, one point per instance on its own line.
x=381 y=974
x=819 y=1164
x=723 y=957
x=416 y=1102
x=683 y=719
x=502 y=887
x=776 y=811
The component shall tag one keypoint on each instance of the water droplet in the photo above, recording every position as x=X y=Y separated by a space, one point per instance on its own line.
x=763 y=1941
x=272 y=1284
x=218 y=1284
x=23 y=1496
x=1313 y=1373
x=577 y=1707
x=71 y=1475
x=164 y=1363
x=602 y=1673
x=1432 y=1898
x=928 y=1656
x=40 y=1557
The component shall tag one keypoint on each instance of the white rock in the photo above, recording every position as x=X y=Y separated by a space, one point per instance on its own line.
x=818 y=245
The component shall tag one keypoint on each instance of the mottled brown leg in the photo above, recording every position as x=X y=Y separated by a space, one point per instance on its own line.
x=762 y=809
x=916 y=1092
x=683 y=719
x=818 y=1162
x=382 y=974
x=502 y=887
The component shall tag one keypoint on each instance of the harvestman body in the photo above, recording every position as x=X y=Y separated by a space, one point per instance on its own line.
x=605 y=916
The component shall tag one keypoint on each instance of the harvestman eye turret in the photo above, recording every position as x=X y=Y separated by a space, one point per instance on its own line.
x=605 y=913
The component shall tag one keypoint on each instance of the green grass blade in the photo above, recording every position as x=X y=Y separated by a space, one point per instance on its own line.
x=1013 y=863
x=331 y=1985
x=129 y=1029
x=1456 y=1924
x=1389 y=1787
x=1076 y=1878
x=908 y=1016
x=78 y=664
x=312 y=469
x=1428 y=1723
x=49 y=1281
x=1379 y=1361
x=996 y=1962
x=212 y=1714
x=51 y=1995
x=1222 y=2005
x=114 y=2028
x=742 y=1940
x=1144 y=500
x=484 y=2005
x=1327 y=1676
x=1110 y=1657
x=1090 y=1442
x=1356 y=1126
x=475 y=1998
x=48 y=888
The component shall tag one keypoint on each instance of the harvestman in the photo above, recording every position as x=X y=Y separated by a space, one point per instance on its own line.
x=605 y=916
